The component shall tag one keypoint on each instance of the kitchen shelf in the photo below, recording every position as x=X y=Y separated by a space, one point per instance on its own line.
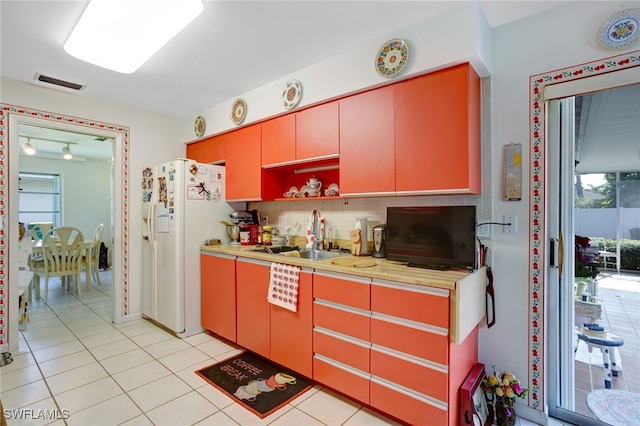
x=334 y=197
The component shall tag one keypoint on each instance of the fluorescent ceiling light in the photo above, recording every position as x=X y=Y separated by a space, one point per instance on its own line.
x=121 y=35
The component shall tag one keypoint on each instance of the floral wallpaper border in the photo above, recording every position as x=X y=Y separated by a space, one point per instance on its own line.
x=537 y=199
x=5 y=111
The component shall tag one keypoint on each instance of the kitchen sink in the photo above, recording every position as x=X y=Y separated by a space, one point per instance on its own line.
x=319 y=254
x=275 y=249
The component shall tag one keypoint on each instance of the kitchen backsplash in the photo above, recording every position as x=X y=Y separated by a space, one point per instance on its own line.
x=340 y=214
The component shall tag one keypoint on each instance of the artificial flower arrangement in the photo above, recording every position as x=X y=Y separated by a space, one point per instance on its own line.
x=583 y=258
x=506 y=389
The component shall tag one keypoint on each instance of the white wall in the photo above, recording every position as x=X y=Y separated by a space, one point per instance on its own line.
x=550 y=40
x=86 y=190
x=154 y=138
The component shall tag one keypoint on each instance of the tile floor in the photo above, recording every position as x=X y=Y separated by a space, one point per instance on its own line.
x=620 y=294
x=73 y=360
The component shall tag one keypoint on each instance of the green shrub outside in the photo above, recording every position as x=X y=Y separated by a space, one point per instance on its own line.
x=629 y=252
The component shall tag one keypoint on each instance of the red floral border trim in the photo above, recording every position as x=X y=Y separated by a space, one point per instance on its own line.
x=537 y=204
x=5 y=111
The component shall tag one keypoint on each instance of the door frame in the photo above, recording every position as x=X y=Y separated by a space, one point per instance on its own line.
x=11 y=117
x=541 y=88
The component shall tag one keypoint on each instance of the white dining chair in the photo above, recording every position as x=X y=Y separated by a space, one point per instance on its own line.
x=93 y=260
x=62 y=257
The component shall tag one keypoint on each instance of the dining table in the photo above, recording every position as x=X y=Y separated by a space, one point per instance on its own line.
x=87 y=245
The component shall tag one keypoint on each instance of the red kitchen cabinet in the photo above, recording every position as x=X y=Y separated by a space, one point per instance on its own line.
x=243 y=162
x=318 y=132
x=367 y=164
x=253 y=309
x=279 y=140
x=437 y=133
x=341 y=345
x=291 y=332
x=218 y=294
x=214 y=150
x=195 y=151
x=407 y=338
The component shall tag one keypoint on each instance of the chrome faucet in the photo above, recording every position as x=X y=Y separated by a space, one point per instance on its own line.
x=316 y=231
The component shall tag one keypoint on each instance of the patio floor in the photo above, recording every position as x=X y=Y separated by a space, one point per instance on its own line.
x=620 y=294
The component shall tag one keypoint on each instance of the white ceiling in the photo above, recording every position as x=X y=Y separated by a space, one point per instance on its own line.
x=233 y=47
x=608 y=131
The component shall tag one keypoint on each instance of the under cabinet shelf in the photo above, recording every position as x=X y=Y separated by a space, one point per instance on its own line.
x=335 y=197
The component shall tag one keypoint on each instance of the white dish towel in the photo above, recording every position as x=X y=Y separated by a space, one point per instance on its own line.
x=283 y=286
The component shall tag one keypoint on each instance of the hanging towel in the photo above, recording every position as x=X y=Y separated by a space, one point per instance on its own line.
x=310 y=237
x=283 y=286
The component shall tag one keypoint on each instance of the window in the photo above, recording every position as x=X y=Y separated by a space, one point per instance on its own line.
x=40 y=198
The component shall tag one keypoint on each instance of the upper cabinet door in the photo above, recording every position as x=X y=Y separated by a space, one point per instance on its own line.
x=195 y=151
x=317 y=132
x=214 y=150
x=367 y=165
x=244 y=173
x=279 y=140
x=437 y=133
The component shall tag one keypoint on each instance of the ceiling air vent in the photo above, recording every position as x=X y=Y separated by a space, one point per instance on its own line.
x=58 y=82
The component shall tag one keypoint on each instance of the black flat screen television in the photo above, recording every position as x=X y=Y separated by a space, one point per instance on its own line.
x=432 y=237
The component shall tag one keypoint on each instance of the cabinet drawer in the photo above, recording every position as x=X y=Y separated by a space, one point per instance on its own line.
x=429 y=344
x=430 y=380
x=349 y=381
x=341 y=348
x=336 y=288
x=407 y=406
x=342 y=319
x=427 y=305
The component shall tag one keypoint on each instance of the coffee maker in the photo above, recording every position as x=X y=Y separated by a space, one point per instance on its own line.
x=379 y=241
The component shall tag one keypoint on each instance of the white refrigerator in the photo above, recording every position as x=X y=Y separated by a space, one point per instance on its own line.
x=183 y=204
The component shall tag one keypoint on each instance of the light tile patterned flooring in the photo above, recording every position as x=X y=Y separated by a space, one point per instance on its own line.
x=620 y=294
x=72 y=358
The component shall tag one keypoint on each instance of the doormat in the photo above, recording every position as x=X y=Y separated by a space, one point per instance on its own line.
x=614 y=406
x=255 y=383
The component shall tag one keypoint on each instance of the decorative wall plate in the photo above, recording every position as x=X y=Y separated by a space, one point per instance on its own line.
x=620 y=31
x=392 y=57
x=238 y=111
x=199 y=126
x=291 y=94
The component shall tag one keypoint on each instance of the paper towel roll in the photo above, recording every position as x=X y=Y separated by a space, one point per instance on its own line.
x=361 y=224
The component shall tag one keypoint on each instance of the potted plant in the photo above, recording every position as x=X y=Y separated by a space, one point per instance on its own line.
x=584 y=263
x=502 y=389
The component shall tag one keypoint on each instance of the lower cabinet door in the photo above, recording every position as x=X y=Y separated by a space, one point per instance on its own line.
x=427 y=342
x=253 y=310
x=431 y=380
x=343 y=319
x=291 y=332
x=347 y=351
x=407 y=406
x=218 y=294
x=349 y=381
